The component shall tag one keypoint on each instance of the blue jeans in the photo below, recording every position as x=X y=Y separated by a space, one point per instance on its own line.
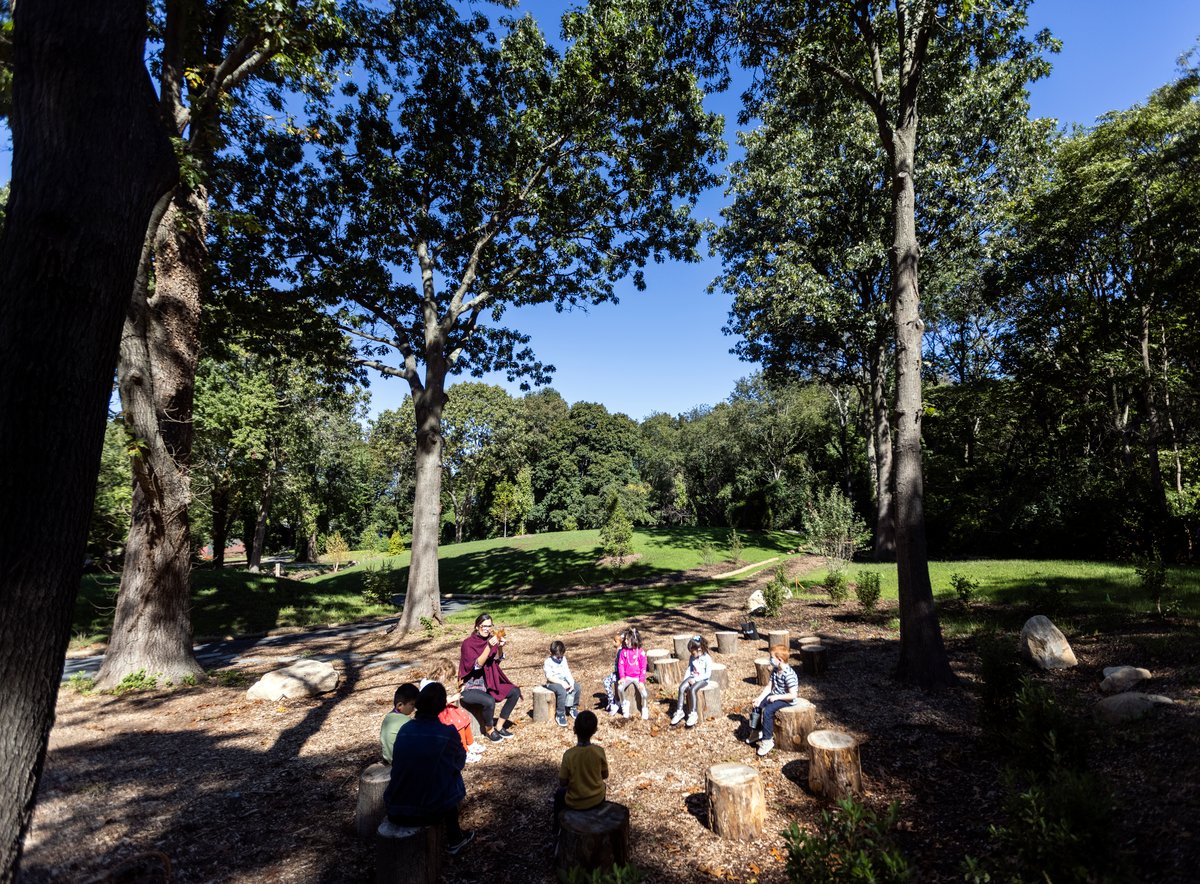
x=561 y=695
x=768 y=716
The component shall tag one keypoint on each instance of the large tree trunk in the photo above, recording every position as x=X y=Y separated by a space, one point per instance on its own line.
x=156 y=373
x=881 y=442
x=90 y=160
x=423 y=596
x=220 y=522
x=923 y=659
x=254 y=550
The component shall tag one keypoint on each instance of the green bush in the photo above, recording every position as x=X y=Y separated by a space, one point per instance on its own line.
x=378 y=584
x=1043 y=736
x=613 y=875
x=964 y=587
x=867 y=590
x=80 y=683
x=395 y=544
x=833 y=526
x=135 y=681
x=1000 y=682
x=777 y=591
x=708 y=554
x=835 y=585
x=229 y=678
x=735 y=546
x=616 y=535
x=852 y=843
x=1153 y=576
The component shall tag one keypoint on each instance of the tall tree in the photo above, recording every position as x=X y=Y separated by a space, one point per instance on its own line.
x=90 y=161
x=477 y=173
x=209 y=49
x=889 y=58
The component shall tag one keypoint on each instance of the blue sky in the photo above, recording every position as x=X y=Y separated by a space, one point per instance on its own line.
x=663 y=350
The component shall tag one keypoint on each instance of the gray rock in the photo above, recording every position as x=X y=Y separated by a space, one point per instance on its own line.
x=1043 y=645
x=1131 y=706
x=756 y=602
x=1118 y=679
x=304 y=678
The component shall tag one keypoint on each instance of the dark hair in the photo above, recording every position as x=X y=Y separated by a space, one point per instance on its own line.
x=633 y=637
x=586 y=724
x=557 y=648
x=481 y=618
x=406 y=693
x=698 y=643
x=432 y=700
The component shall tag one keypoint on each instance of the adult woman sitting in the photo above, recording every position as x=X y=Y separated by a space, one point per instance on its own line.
x=484 y=682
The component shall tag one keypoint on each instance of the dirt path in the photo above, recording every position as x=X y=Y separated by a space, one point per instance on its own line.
x=231 y=790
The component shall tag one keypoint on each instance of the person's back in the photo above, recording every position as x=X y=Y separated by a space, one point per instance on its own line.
x=584 y=769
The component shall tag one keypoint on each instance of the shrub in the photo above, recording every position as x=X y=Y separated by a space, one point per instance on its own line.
x=776 y=591
x=229 y=678
x=835 y=584
x=1043 y=735
x=80 y=683
x=378 y=584
x=1000 y=682
x=613 y=875
x=964 y=587
x=135 y=681
x=735 y=546
x=337 y=549
x=395 y=544
x=833 y=526
x=1153 y=575
x=708 y=553
x=852 y=843
x=616 y=536
x=867 y=590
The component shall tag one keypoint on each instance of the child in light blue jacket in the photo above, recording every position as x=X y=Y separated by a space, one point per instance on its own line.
x=698 y=673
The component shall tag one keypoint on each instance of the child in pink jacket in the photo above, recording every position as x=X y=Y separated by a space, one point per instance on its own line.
x=631 y=670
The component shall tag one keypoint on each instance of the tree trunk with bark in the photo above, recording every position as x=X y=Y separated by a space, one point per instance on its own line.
x=156 y=373
x=90 y=161
x=220 y=523
x=881 y=441
x=923 y=659
x=254 y=549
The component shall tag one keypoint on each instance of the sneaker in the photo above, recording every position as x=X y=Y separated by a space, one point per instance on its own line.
x=573 y=712
x=613 y=709
x=454 y=848
x=645 y=713
x=754 y=737
x=494 y=735
x=473 y=757
x=765 y=746
x=677 y=717
x=625 y=710
x=504 y=732
x=692 y=719
x=561 y=719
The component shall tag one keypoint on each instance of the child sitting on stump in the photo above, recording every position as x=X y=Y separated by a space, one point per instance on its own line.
x=583 y=771
x=403 y=703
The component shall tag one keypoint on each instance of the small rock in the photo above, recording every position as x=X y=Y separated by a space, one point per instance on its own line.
x=756 y=602
x=1044 y=645
x=1118 y=679
x=304 y=678
x=1123 y=708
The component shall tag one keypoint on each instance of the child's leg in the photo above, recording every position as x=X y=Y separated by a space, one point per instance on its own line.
x=694 y=693
x=610 y=687
x=560 y=697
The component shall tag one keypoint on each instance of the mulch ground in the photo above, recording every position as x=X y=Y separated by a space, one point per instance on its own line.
x=220 y=788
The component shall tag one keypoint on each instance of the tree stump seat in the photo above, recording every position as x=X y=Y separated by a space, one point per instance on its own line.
x=720 y=674
x=778 y=637
x=762 y=671
x=408 y=855
x=631 y=695
x=668 y=672
x=372 y=783
x=812 y=658
x=593 y=839
x=708 y=701
x=543 y=704
x=737 y=806
x=793 y=724
x=834 y=770
x=727 y=642
x=681 y=645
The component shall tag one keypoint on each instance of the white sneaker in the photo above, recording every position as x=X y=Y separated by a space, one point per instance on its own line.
x=473 y=757
x=613 y=709
x=645 y=713
x=625 y=710
x=765 y=746
x=677 y=717
x=692 y=719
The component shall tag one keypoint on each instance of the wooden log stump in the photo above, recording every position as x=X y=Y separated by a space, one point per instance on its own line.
x=762 y=671
x=778 y=637
x=708 y=701
x=543 y=704
x=656 y=654
x=737 y=807
x=593 y=839
x=834 y=770
x=727 y=642
x=720 y=674
x=668 y=672
x=633 y=697
x=372 y=783
x=809 y=639
x=408 y=855
x=812 y=658
x=793 y=724
x=681 y=645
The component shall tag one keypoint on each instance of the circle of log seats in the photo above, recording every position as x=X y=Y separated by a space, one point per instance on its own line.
x=720 y=674
x=737 y=806
x=778 y=637
x=812 y=658
x=762 y=671
x=681 y=645
x=834 y=770
x=727 y=642
x=708 y=701
x=668 y=672
x=793 y=724
x=593 y=839
x=543 y=704
x=406 y=855
x=372 y=783
x=631 y=695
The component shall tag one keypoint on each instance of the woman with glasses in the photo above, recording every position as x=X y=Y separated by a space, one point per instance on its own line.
x=484 y=682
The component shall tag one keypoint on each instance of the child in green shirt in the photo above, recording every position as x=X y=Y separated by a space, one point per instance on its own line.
x=403 y=704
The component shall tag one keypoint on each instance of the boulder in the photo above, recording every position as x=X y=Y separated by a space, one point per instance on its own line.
x=1131 y=706
x=304 y=678
x=756 y=602
x=1043 y=645
x=1118 y=679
